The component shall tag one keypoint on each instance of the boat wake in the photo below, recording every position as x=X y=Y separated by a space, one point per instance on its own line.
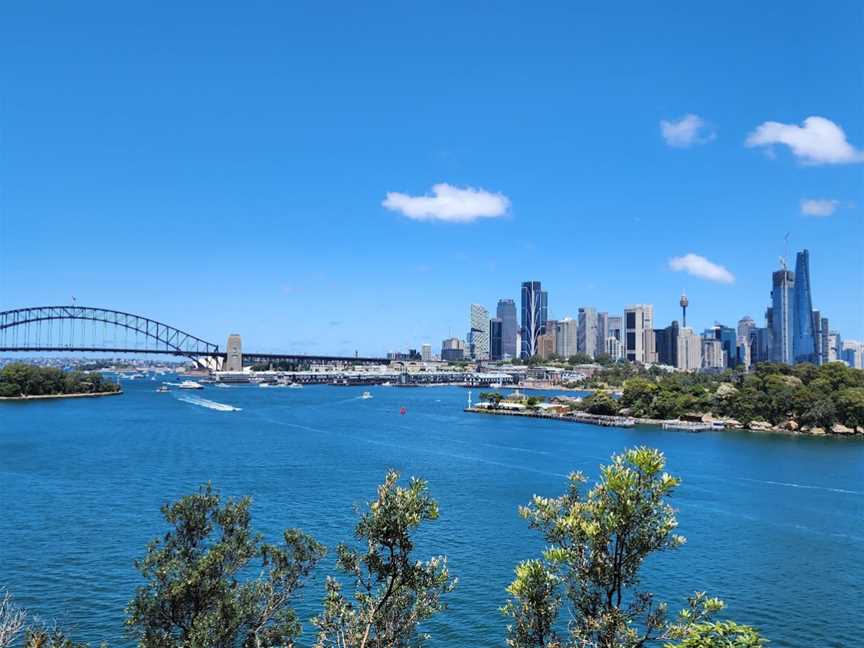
x=213 y=405
x=806 y=486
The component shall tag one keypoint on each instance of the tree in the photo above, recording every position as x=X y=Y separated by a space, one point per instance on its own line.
x=12 y=620
x=491 y=397
x=597 y=542
x=580 y=359
x=534 y=606
x=850 y=403
x=600 y=403
x=393 y=592
x=638 y=395
x=196 y=594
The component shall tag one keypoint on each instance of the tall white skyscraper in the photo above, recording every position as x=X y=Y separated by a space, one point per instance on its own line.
x=689 y=350
x=566 y=339
x=639 y=333
x=479 y=332
x=426 y=353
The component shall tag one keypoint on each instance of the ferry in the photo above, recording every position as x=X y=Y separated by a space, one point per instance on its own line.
x=162 y=389
x=190 y=384
x=366 y=395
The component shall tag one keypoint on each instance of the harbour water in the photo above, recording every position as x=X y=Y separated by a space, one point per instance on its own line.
x=775 y=524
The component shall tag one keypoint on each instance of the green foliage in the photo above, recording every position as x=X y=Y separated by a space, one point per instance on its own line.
x=597 y=543
x=600 y=403
x=196 y=593
x=20 y=379
x=533 y=402
x=40 y=637
x=491 y=397
x=580 y=359
x=393 y=592
x=533 y=607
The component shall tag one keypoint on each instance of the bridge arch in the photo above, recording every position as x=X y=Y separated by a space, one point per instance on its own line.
x=42 y=328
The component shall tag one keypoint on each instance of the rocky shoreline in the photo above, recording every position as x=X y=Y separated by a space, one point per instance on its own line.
x=53 y=396
x=790 y=427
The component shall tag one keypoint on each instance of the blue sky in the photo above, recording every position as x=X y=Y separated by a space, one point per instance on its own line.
x=223 y=167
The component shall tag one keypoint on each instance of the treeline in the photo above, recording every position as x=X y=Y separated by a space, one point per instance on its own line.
x=804 y=394
x=20 y=379
x=212 y=581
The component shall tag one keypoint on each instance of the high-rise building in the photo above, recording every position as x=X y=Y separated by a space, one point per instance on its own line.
x=506 y=312
x=746 y=325
x=534 y=314
x=824 y=345
x=803 y=343
x=546 y=341
x=426 y=353
x=587 y=336
x=713 y=354
x=853 y=354
x=782 y=316
x=479 y=332
x=760 y=345
x=835 y=346
x=614 y=348
x=666 y=344
x=234 y=358
x=452 y=350
x=689 y=350
x=728 y=338
x=602 y=332
x=639 y=333
x=616 y=327
x=566 y=338
x=496 y=341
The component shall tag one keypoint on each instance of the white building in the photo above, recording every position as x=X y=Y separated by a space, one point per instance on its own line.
x=614 y=348
x=566 y=339
x=639 y=334
x=689 y=350
x=426 y=353
x=479 y=332
x=713 y=354
x=587 y=341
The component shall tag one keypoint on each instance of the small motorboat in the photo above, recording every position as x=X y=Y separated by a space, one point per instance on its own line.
x=162 y=389
x=295 y=385
x=190 y=384
x=366 y=395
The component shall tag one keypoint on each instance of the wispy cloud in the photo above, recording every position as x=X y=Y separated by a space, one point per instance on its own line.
x=818 y=141
x=687 y=131
x=699 y=266
x=449 y=204
x=818 y=207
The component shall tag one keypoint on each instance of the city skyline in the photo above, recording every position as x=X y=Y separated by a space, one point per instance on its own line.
x=319 y=200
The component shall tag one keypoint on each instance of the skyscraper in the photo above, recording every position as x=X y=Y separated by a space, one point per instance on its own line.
x=506 y=312
x=566 y=338
x=534 y=315
x=426 y=353
x=602 y=332
x=803 y=342
x=495 y=339
x=615 y=337
x=587 y=337
x=479 y=332
x=639 y=333
x=689 y=352
x=666 y=343
x=782 y=316
x=728 y=339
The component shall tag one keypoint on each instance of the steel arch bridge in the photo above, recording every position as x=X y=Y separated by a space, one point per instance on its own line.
x=82 y=328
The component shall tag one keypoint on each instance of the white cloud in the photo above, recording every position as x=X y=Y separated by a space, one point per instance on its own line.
x=818 y=207
x=450 y=204
x=687 y=131
x=699 y=266
x=818 y=141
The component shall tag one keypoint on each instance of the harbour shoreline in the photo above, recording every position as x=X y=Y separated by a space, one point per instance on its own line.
x=53 y=396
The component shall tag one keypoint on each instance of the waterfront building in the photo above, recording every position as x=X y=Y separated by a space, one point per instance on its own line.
x=689 y=350
x=782 y=316
x=566 y=337
x=506 y=312
x=546 y=344
x=666 y=344
x=639 y=333
x=496 y=347
x=234 y=358
x=479 y=332
x=535 y=306
x=426 y=353
x=803 y=343
x=587 y=335
x=452 y=350
x=713 y=354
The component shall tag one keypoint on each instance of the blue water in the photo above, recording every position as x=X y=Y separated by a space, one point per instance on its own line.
x=775 y=524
